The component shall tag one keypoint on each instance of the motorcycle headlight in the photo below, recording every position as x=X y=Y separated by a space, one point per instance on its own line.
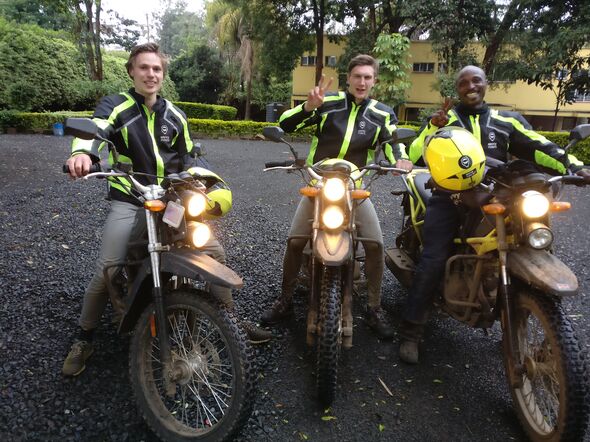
x=334 y=189
x=534 y=204
x=195 y=203
x=199 y=233
x=539 y=236
x=333 y=217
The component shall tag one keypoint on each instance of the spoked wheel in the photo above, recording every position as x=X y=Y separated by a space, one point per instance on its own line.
x=550 y=400
x=211 y=391
x=329 y=334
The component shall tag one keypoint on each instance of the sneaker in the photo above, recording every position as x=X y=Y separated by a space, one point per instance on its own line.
x=256 y=335
x=377 y=320
x=408 y=351
x=281 y=309
x=75 y=362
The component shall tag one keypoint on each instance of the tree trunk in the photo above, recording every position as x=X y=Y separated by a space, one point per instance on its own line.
x=319 y=16
x=489 y=57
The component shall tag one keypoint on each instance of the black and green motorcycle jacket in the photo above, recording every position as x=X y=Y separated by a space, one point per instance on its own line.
x=156 y=143
x=346 y=130
x=501 y=133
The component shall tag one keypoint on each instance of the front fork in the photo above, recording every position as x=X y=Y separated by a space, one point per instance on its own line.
x=154 y=249
x=514 y=366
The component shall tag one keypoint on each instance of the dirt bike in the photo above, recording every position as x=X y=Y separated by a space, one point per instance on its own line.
x=503 y=269
x=333 y=185
x=189 y=361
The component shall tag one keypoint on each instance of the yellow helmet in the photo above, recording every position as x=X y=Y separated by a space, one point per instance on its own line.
x=455 y=158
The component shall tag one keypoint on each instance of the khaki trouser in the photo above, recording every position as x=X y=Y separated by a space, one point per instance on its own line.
x=126 y=223
x=367 y=227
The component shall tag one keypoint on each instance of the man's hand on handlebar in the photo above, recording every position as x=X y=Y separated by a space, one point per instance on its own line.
x=403 y=164
x=79 y=165
x=584 y=173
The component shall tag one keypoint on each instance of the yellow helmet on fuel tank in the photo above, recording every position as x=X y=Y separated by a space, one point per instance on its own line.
x=455 y=158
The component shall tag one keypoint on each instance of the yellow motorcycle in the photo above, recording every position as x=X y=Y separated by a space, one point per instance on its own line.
x=503 y=268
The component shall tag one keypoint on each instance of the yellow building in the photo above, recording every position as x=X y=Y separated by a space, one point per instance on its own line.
x=534 y=103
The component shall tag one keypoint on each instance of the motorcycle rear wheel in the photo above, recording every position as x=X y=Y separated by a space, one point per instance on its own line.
x=329 y=334
x=214 y=387
x=551 y=402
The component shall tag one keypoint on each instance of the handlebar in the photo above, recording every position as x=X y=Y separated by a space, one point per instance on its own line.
x=93 y=169
x=286 y=163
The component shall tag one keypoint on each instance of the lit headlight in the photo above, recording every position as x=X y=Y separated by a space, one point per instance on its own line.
x=539 y=236
x=334 y=189
x=534 y=204
x=196 y=204
x=199 y=233
x=333 y=217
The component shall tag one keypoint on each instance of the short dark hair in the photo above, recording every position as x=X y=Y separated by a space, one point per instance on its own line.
x=146 y=47
x=363 y=60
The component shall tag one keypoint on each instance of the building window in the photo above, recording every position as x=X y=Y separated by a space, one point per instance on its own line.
x=308 y=60
x=582 y=96
x=423 y=67
x=330 y=61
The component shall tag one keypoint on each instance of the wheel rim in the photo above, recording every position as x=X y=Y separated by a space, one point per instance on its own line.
x=539 y=396
x=202 y=371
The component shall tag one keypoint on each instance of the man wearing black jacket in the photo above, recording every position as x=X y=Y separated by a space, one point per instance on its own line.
x=349 y=125
x=501 y=133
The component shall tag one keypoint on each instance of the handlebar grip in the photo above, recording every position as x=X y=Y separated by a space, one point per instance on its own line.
x=94 y=168
x=279 y=163
x=574 y=179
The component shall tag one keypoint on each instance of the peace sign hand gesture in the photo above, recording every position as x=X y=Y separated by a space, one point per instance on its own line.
x=440 y=118
x=315 y=97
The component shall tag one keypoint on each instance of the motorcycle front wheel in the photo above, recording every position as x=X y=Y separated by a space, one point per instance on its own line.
x=551 y=398
x=329 y=334
x=212 y=387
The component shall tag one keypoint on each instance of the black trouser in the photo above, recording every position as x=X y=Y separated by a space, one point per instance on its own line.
x=441 y=222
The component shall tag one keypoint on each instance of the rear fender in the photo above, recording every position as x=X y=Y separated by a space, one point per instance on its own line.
x=185 y=263
x=333 y=249
x=543 y=271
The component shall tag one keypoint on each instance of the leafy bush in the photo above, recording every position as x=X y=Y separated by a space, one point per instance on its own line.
x=207 y=111
x=580 y=150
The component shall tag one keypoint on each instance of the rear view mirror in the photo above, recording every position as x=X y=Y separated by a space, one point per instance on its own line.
x=83 y=128
x=580 y=132
x=274 y=133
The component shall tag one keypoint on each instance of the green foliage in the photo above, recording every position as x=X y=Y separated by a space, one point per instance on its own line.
x=179 y=29
x=36 y=122
x=581 y=150
x=271 y=91
x=207 y=111
x=197 y=75
x=392 y=51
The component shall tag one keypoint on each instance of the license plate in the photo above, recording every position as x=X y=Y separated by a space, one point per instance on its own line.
x=174 y=214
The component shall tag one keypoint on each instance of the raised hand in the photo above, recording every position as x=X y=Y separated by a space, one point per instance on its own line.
x=440 y=118
x=315 y=97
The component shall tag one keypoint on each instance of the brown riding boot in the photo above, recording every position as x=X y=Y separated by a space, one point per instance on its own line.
x=281 y=309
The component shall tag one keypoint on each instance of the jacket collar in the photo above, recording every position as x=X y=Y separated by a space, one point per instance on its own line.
x=352 y=99
x=140 y=99
x=464 y=110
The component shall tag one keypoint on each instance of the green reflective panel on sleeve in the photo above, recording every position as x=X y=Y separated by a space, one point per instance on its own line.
x=545 y=160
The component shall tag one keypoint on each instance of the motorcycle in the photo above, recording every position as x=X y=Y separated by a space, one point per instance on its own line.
x=190 y=363
x=333 y=185
x=503 y=269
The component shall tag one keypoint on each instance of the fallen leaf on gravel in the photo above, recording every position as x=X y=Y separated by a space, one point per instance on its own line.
x=437 y=381
x=409 y=381
x=328 y=418
x=456 y=409
x=383 y=358
x=386 y=387
x=441 y=397
x=381 y=427
x=65 y=246
x=303 y=436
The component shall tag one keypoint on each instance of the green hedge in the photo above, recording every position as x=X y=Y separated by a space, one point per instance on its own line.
x=43 y=122
x=207 y=111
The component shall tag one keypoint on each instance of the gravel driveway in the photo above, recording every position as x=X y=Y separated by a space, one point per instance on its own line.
x=50 y=229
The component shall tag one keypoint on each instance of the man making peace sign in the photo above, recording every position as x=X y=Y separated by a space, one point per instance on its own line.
x=349 y=126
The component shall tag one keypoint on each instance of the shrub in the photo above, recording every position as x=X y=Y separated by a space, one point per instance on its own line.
x=207 y=111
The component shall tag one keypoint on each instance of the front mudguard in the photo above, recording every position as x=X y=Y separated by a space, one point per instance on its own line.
x=543 y=271
x=333 y=249
x=180 y=262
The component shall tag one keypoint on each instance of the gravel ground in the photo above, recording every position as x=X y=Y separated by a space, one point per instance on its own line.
x=50 y=232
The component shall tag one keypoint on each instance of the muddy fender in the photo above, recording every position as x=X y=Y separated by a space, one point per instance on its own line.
x=543 y=271
x=333 y=249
